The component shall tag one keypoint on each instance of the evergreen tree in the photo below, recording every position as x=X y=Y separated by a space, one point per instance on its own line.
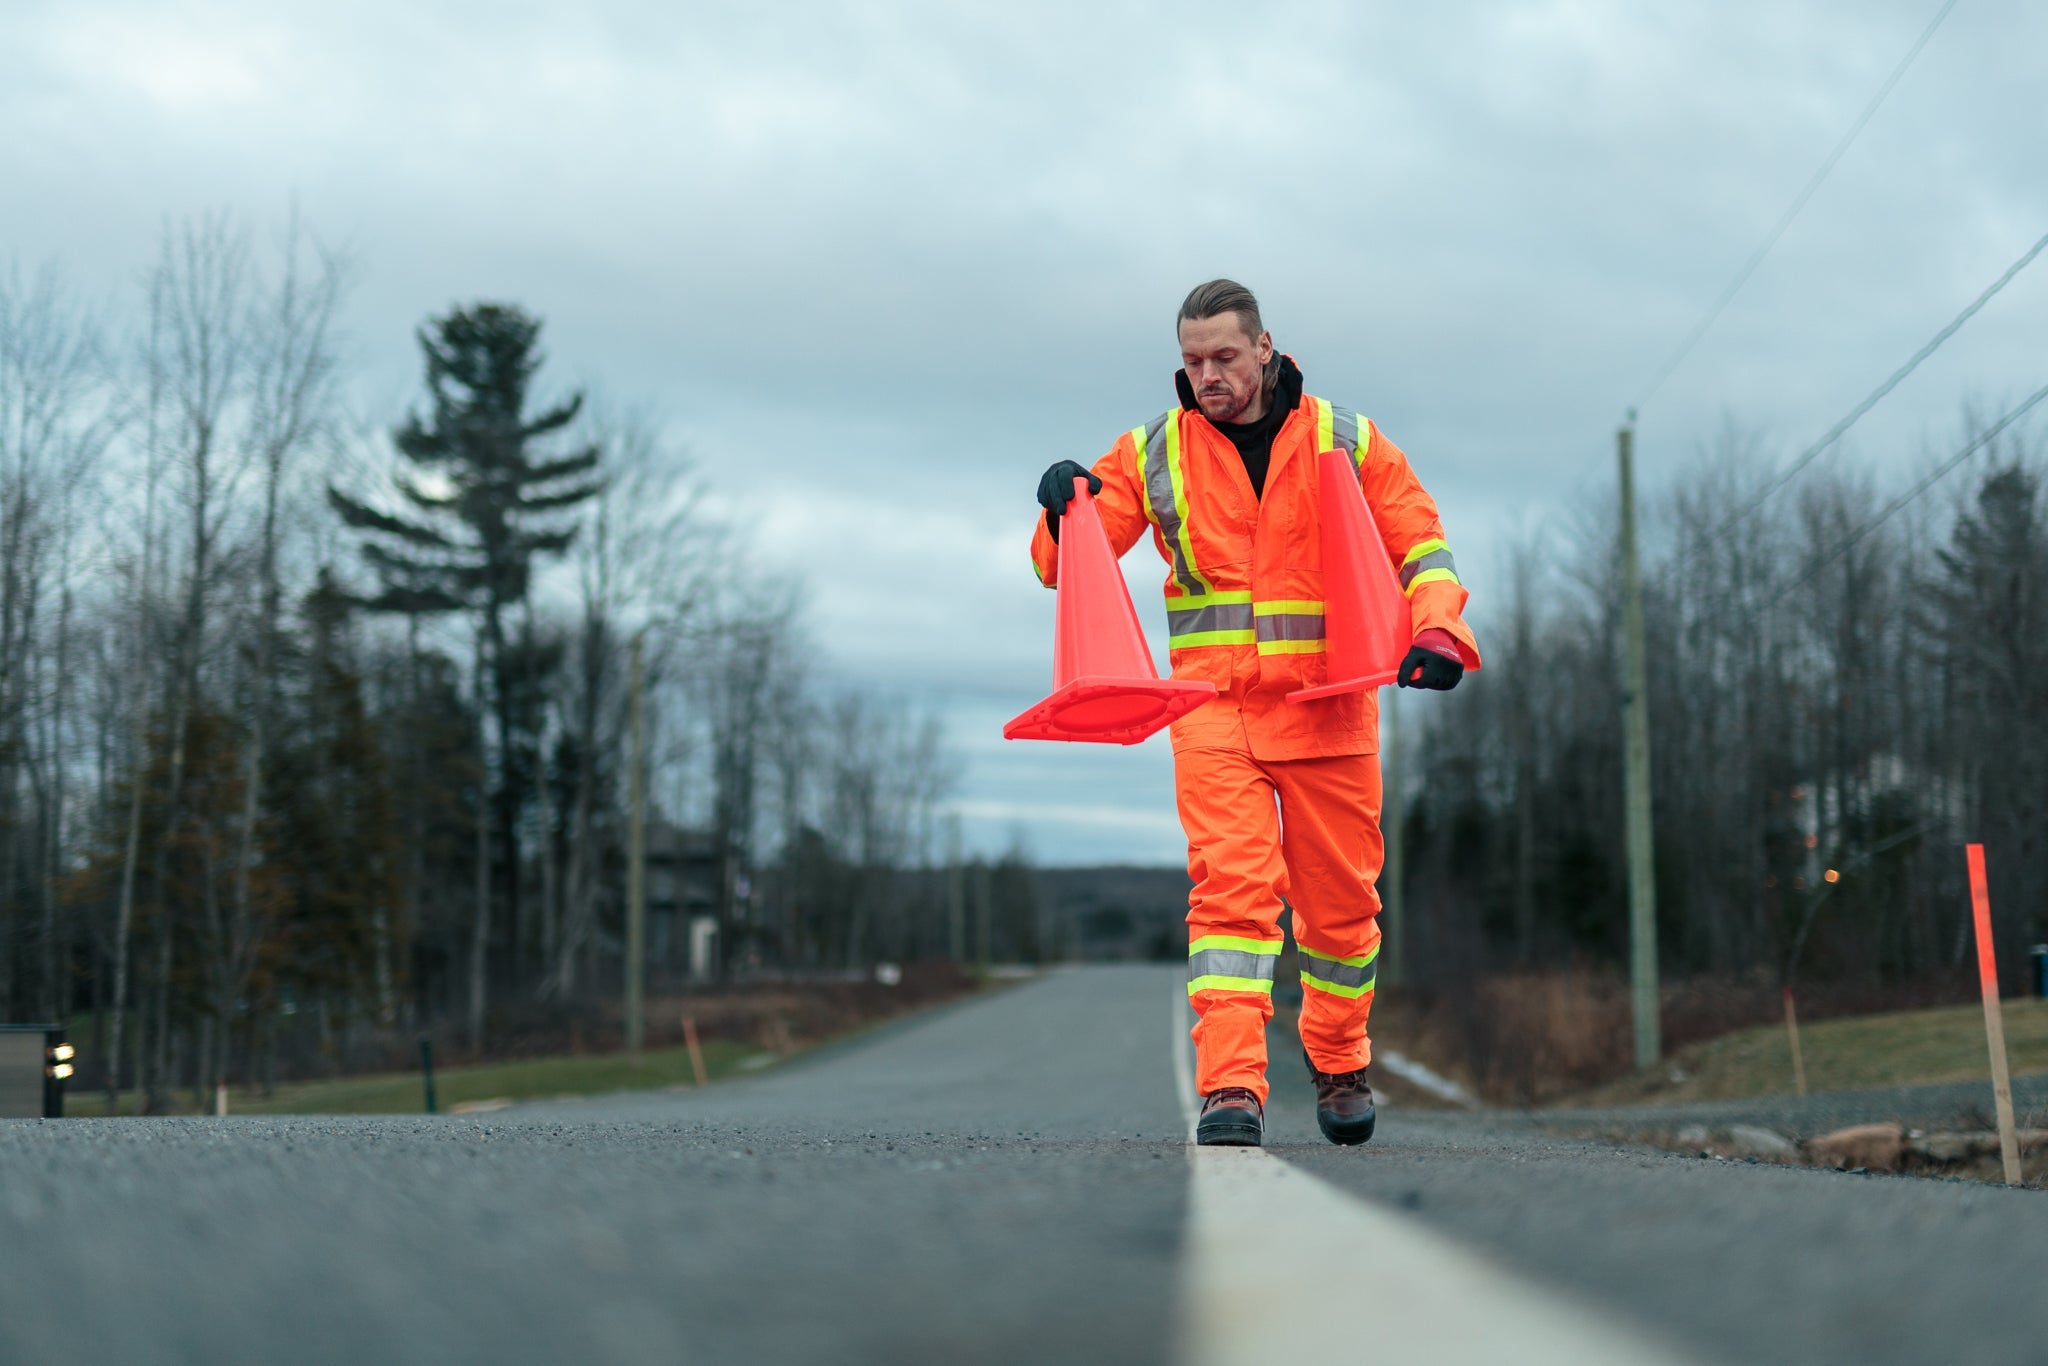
x=487 y=502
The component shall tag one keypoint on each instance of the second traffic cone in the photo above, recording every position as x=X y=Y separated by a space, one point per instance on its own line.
x=1105 y=686
x=1365 y=613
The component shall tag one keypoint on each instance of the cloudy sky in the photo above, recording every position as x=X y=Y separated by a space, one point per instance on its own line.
x=876 y=266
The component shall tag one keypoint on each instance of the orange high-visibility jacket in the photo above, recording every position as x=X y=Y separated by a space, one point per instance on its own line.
x=1244 y=583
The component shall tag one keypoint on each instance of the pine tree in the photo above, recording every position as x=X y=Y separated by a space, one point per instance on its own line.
x=486 y=504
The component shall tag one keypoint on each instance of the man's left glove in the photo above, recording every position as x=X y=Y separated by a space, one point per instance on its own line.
x=1056 y=490
x=1432 y=662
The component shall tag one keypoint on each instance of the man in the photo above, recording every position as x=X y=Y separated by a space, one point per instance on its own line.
x=1280 y=800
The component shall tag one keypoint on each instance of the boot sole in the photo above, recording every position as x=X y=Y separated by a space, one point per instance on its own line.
x=1228 y=1135
x=1347 y=1133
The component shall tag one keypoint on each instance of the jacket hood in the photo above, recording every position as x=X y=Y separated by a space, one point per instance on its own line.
x=1283 y=387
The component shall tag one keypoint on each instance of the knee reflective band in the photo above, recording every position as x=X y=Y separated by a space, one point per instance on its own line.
x=1226 y=962
x=1348 y=977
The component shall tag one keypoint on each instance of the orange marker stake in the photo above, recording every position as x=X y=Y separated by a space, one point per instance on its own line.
x=1792 y=1028
x=1994 y=1022
x=696 y=1053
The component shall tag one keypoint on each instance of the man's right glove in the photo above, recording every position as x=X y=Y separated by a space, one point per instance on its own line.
x=1056 y=490
x=1432 y=662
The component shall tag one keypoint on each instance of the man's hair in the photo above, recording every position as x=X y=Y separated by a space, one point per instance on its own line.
x=1217 y=298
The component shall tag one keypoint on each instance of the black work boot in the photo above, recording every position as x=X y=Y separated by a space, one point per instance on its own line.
x=1343 y=1105
x=1231 y=1117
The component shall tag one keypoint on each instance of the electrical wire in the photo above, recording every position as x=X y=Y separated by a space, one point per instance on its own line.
x=1935 y=476
x=1756 y=259
x=1855 y=414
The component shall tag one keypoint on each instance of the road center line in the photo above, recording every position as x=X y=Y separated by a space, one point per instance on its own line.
x=1184 y=1060
x=1282 y=1265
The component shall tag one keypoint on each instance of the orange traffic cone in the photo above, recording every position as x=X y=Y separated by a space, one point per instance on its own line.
x=1105 y=687
x=1365 y=613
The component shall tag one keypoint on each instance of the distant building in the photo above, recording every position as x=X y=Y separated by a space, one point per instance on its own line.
x=682 y=900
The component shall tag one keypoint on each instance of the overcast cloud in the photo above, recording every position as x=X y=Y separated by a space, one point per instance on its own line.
x=877 y=266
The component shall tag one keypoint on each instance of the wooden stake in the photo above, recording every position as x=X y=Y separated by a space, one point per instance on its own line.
x=1994 y=1022
x=1792 y=1028
x=696 y=1053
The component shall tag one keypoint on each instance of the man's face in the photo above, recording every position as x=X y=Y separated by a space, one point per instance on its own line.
x=1225 y=364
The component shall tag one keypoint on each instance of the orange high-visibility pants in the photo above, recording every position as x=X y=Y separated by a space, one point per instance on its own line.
x=1303 y=832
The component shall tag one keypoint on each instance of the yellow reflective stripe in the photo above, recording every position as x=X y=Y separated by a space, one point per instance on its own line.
x=1334 y=988
x=1196 y=984
x=1364 y=442
x=1221 y=598
x=1307 y=952
x=1196 y=639
x=1326 y=427
x=1178 y=474
x=1422 y=548
x=1270 y=947
x=1434 y=576
x=1291 y=647
x=1288 y=606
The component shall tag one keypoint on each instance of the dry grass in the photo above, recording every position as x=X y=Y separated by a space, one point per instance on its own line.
x=1898 y=1048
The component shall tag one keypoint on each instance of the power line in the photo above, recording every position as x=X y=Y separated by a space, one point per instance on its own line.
x=1799 y=202
x=1855 y=414
x=1941 y=471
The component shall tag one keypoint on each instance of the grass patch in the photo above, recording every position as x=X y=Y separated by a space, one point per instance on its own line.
x=1857 y=1053
x=394 y=1093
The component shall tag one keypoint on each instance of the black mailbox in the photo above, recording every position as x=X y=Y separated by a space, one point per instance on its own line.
x=34 y=1063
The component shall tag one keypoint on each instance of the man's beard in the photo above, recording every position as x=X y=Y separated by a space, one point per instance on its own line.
x=1234 y=409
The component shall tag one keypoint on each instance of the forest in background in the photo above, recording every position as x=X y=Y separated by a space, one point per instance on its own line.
x=315 y=727
x=1847 y=682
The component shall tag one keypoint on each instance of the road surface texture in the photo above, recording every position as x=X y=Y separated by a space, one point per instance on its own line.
x=1006 y=1179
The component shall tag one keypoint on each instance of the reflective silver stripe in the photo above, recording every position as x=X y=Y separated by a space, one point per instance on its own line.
x=1435 y=559
x=1345 y=426
x=1291 y=626
x=1157 y=470
x=1231 y=963
x=1337 y=973
x=1220 y=616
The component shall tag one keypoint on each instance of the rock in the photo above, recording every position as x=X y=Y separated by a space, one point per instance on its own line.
x=1963 y=1147
x=1693 y=1136
x=1953 y=1148
x=1750 y=1141
x=1877 y=1147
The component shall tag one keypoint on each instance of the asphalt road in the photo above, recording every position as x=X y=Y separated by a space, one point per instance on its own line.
x=1003 y=1180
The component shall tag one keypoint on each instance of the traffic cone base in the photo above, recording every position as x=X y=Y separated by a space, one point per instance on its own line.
x=1106 y=688
x=1110 y=711
x=1365 y=613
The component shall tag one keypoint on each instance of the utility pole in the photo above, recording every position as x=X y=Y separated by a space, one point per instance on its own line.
x=956 y=895
x=636 y=863
x=1642 y=871
x=1393 y=900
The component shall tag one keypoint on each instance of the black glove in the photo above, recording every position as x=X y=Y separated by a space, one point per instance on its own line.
x=1425 y=668
x=1056 y=490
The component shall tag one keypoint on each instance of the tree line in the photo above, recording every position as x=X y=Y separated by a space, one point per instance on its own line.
x=314 y=728
x=1839 y=699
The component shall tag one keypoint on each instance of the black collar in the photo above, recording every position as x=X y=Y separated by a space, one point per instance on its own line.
x=1286 y=390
